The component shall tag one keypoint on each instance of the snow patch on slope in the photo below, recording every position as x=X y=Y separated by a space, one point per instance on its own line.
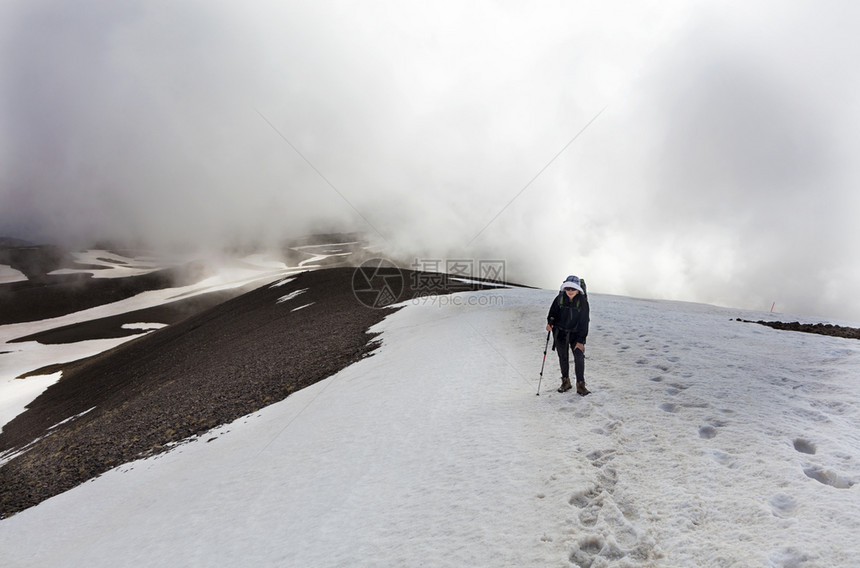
x=9 y=275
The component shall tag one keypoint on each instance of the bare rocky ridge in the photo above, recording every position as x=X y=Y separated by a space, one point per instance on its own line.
x=819 y=328
x=34 y=261
x=46 y=295
x=209 y=369
x=51 y=296
x=112 y=326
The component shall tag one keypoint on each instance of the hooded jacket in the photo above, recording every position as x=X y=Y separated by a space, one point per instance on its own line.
x=570 y=316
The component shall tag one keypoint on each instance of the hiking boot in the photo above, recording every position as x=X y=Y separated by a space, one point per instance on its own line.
x=565 y=385
x=580 y=388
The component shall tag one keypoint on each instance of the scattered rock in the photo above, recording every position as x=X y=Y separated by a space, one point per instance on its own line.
x=819 y=328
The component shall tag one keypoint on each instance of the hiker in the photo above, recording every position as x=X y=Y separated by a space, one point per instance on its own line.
x=568 y=320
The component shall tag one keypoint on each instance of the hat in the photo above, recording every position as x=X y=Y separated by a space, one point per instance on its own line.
x=571 y=282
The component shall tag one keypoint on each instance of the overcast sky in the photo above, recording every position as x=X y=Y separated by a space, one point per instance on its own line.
x=718 y=161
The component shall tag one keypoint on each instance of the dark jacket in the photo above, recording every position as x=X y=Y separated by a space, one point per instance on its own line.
x=570 y=316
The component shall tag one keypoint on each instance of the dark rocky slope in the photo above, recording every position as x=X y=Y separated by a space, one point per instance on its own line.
x=185 y=379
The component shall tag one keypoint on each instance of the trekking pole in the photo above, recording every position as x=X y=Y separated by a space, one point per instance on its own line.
x=544 y=361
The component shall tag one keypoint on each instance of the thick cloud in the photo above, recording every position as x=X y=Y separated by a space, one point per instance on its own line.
x=741 y=136
x=721 y=170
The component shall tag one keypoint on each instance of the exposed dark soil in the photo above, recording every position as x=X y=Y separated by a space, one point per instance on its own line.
x=819 y=328
x=33 y=260
x=49 y=296
x=183 y=380
x=111 y=327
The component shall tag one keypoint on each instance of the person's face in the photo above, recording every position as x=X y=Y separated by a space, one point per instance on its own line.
x=571 y=292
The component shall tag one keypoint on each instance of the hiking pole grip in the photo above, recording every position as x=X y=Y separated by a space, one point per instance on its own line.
x=544 y=361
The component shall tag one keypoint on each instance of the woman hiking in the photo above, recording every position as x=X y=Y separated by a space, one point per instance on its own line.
x=568 y=320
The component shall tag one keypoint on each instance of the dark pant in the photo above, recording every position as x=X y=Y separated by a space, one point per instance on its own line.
x=562 y=344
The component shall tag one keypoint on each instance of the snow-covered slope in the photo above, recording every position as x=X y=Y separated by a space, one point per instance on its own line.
x=706 y=442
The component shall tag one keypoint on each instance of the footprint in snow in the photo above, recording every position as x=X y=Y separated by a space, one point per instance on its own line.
x=619 y=540
x=724 y=459
x=591 y=548
x=782 y=505
x=584 y=498
x=707 y=432
x=788 y=557
x=600 y=458
x=828 y=477
x=804 y=446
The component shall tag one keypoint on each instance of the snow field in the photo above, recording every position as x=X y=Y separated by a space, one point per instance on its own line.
x=110 y=264
x=706 y=442
x=703 y=429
